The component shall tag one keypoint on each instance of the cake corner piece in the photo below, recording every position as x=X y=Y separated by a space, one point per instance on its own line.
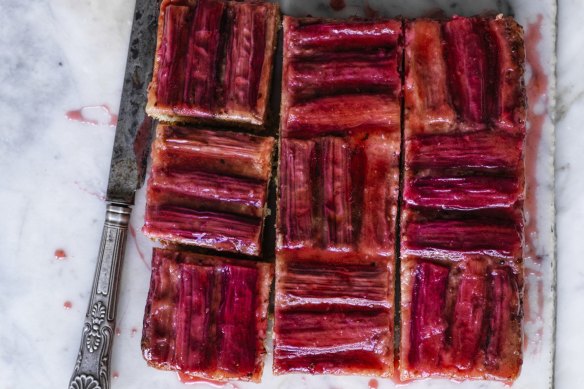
x=231 y=82
x=206 y=316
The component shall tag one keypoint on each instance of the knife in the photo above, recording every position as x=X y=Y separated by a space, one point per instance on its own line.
x=128 y=165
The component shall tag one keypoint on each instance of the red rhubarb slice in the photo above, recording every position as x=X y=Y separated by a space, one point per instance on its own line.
x=201 y=190
x=467 y=62
x=507 y=99
x=379 y=197
x=453 y=238
x=336 y=191
x=245 y=57
x=342 y=114
x=193 y=322
x=219 y=231
x=313 y=36
x=295 y=222
x=343 y=74
x=318 y=282
x=222 y=152
x=427 y=100
x=171 y=57
x=503 y=345
x=236 y=322
x=201 y=71
x=468 y=316
x=462 y=193
x=428 y=324
x=159 y=332
x=477 y=150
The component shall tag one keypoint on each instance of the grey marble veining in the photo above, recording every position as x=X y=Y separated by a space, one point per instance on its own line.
x=569 y=196
x=58 y=56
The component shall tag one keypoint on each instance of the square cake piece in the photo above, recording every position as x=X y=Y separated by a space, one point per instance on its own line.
x=337 y=198
x=340 y=77
x=214 y=61
x=206 y=316
x=462 y=213
x=461 y=319
x=333 y=316
x=208 y=188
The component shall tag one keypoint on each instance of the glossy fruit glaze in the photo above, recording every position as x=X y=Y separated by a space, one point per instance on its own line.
x=206 y=316
x=332 y=317
x=465 y=319
x=214 y=59
x=338 y=190
x=208 y=188
x=462 y=214
x=340 y=77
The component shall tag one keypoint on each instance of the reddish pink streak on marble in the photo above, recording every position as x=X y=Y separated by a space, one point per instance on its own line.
x=78 y=115
x=133 y=332
x=98 y=195
x=116 y=374
x=140 y=253
x=67 y=305
x=536 y=90
x=118 y=331
x=537 y=87
x=60 y=255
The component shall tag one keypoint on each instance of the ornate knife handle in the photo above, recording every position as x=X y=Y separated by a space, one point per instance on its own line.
x=92 y=369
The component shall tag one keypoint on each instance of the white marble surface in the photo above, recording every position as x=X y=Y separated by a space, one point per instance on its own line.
x=58 y=56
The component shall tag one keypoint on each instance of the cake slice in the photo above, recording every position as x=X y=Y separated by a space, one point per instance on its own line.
x=208 y=188
x=464 y=74
x=333 y=317
x=461 y=319
x=337 y=197
x=206 y=316
x=463 y=192
x=213 y=61
x=340 y=77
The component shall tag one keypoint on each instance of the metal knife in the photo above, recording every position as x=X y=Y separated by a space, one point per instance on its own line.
x=128 y=165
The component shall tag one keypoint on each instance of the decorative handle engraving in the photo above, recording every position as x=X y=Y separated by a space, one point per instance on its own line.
x=92 y=369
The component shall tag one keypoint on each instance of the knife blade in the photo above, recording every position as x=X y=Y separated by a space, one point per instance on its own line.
x=127 y=171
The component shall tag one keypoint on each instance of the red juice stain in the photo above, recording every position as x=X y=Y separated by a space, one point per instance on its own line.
x=118 y=331
x=337 y=5
x=140 y=253
x=60 y=255
x=133 y=332
x=373 y=383
x=536 y=90
x=115 y=374
x=99 y=196
x=67 y=305
x=81 y=115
